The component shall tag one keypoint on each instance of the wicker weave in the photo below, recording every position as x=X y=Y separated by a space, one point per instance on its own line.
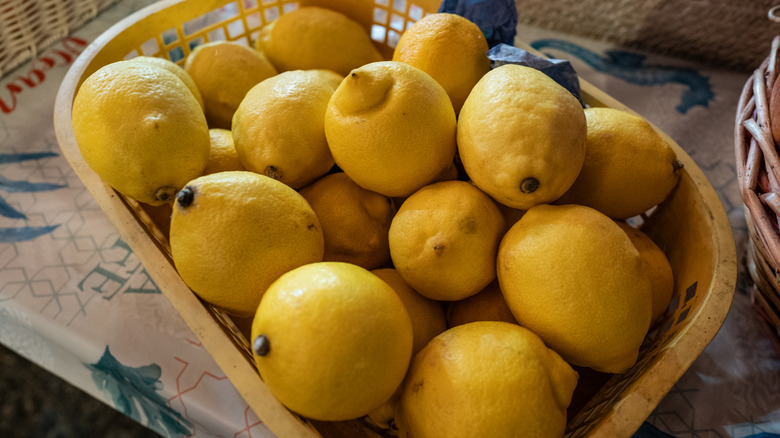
x=758 y=173
x=724 y=33
x=29 y=26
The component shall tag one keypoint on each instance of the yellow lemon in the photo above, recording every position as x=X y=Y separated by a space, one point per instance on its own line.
x=573 y=277
x=628 y=166
x=223 y=155
x=521 y=136
x=355 y=221
x=487 y=305
x=224 y=72
x=175 y=69
x=486 y=379
x=332 y=341
x=279 y=127
x=427 y=315
x=391 y=128
x=444 y=240
x=317 y=38
x=658 y=268
x=234 y=233
x=448 y=47
x=141 y=130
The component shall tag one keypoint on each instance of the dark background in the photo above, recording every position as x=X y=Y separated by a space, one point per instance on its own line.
x=37 y=404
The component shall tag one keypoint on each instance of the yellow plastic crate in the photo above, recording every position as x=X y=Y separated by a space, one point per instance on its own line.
x=690 y=226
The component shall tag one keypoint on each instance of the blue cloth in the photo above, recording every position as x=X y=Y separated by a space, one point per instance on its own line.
x=497 y=19
x=561 y=71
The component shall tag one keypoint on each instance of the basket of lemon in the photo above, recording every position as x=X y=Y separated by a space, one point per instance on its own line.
x=288 y=174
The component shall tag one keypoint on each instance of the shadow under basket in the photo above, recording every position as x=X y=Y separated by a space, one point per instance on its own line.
x=690 y=226
x=758 y=173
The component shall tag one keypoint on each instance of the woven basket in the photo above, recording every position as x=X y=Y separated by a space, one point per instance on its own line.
x=712 y=31
x=690 y=226
x=758 y=173
x=29 y=26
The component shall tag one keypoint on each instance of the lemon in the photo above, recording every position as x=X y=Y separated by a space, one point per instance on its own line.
x=486 y=379
x=444 y=240
x=427 y=315
x=279 y=127
x=521 y=136
x=448 y=47
x=628 y=166
x=573 y=277
x=141 y=130
x=234 y=233
x=355 y=221
x=332 y=341
x=223 y=155
x=391 y=128
x=224 y=72
x=487 y=305
x=658 y=268
x=317 y=38
x=175 y=69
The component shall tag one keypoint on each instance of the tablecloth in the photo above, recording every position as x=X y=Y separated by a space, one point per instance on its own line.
x=75 y=300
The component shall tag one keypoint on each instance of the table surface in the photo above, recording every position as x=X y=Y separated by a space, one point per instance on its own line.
x=75 y=300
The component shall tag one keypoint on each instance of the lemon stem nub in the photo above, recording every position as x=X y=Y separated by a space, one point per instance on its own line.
x=529 y=185
x=164 y=194
x=261 y=345
x=185 y=196
x=273 y=172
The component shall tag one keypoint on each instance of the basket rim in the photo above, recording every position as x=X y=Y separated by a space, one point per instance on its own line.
x=623 y=420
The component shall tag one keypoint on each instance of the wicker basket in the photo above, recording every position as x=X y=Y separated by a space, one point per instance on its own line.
x=758 y=173
x=29 y=26
x=690 y=225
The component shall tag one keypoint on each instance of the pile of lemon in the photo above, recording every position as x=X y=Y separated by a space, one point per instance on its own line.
x=424 y=242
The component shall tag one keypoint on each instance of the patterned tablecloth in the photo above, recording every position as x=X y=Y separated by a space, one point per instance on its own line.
x=75 y=300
